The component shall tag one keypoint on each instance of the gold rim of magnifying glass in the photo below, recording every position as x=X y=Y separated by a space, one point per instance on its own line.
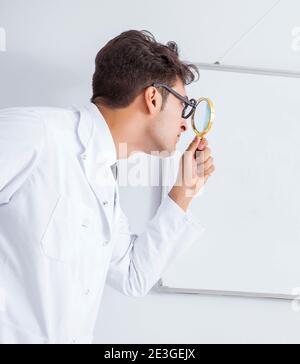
x=212 y=117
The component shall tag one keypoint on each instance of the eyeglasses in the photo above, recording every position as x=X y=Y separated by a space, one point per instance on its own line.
x=190 y=105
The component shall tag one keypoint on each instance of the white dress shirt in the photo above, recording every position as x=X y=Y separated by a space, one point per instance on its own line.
x=62 y=231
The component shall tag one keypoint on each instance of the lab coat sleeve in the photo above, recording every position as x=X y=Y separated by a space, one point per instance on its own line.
x=138 y=261
x=21 y=140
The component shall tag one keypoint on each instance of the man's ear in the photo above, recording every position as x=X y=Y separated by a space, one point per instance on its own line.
x=153 y=100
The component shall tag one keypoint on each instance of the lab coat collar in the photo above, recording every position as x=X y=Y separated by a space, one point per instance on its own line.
x=92 y=125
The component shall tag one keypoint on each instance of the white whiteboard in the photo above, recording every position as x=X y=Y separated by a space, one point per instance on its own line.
x=250 y=207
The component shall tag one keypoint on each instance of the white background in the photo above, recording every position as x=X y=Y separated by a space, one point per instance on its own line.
x=51 y=46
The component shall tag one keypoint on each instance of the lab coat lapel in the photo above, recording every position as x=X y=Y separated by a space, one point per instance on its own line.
x=96 y=162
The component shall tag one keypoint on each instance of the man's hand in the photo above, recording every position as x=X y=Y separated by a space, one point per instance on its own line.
x=196 y=166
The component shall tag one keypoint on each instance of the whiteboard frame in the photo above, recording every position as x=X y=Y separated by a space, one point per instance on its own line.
x=210 y=292
x=249 y=70
x=161 y=287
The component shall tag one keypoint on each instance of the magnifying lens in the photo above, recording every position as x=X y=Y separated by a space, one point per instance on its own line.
x=203 y=116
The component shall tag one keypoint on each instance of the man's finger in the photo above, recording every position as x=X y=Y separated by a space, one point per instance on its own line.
x=204 y=169
x=203 y=144
x=210 y=170
x=194 y=144
x=202 y=156
x=208 y=162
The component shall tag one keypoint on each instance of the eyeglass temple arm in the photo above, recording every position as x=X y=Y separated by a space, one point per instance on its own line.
x=187 y=101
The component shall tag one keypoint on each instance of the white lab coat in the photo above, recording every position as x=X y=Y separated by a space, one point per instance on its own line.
x=62 y=231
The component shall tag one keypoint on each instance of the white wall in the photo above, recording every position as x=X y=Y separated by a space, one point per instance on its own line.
x=51 y=47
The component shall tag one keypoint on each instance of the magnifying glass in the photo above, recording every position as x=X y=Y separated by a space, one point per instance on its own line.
x=203 y=116
x=202 y=111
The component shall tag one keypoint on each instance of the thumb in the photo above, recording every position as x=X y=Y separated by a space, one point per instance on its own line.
x=194 y=144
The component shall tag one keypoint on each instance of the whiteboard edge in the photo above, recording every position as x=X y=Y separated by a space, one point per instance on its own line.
x=249 y=70
x=161 y=288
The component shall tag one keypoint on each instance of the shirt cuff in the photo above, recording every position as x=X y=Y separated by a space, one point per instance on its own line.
x=179 y=216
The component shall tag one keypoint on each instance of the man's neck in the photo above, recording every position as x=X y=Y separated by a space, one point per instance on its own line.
x=128 y=139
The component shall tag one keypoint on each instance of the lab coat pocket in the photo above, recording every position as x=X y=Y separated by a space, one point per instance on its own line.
x=68 y=234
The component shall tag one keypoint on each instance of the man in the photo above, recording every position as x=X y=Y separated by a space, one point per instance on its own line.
x=62 y=232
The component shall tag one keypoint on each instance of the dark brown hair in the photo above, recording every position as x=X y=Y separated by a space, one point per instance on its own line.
x=131 y=62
